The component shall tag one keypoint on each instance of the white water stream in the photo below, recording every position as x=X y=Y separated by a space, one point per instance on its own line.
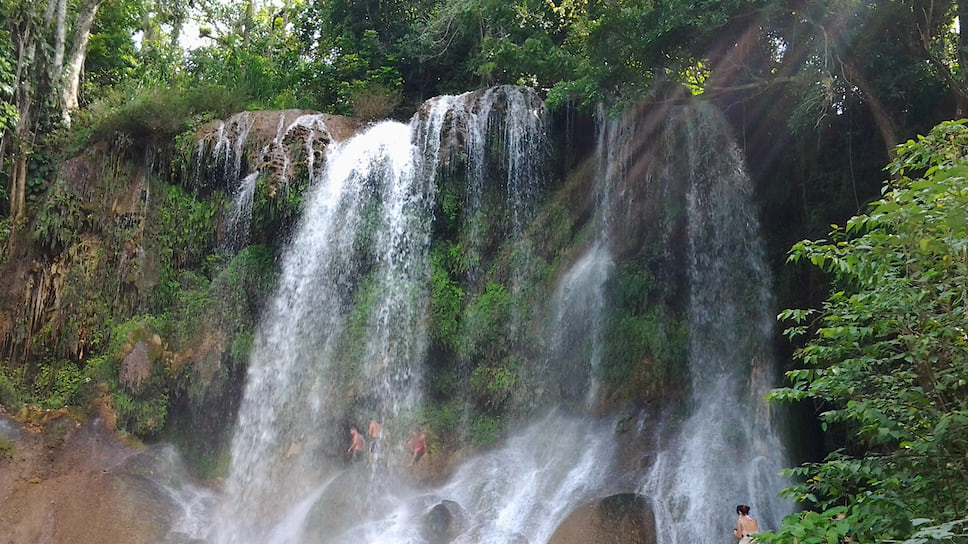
x=365 y=234
x=726 y=452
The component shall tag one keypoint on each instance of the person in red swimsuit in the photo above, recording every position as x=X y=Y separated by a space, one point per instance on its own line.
x=418 y=443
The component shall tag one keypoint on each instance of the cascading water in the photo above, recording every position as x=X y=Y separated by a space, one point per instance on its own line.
x=316 y=365
x=579 y=301
x=579 y=306
x=726 y=452
x=507 y=122
x=240 y=215
x=225 y=155
x=344 y=341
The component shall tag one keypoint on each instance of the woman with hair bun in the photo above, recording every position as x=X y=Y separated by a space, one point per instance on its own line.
x=746 y=526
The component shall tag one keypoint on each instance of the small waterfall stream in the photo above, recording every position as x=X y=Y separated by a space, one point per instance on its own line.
x=224 y=154
x=726 y=453
x=344 y=339
x=364 y=236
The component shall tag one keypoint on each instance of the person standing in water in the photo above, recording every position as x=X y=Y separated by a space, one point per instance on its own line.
x=356 y=443
x=373 y=433
x=746 y=526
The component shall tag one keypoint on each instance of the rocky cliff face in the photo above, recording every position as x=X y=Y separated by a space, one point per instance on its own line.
x=129 y=278
x=139 y=285
x=120 y=242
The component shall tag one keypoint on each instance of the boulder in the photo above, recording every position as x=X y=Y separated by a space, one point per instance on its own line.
x=444 y=522
x=77 y=483
x=625 y=518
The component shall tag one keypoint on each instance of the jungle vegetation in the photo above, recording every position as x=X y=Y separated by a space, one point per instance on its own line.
x=827 y=92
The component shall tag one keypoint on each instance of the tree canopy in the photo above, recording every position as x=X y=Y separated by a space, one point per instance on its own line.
x=795 y=69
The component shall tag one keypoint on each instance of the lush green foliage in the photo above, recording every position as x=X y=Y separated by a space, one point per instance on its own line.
x=886 y=358
x=151 y=115
x=447 y=296
x=646 y=342
x=141 y=404
x=8 y=112
x=181 y=227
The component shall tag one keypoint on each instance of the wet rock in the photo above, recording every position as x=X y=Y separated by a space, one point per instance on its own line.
x=625 y=518
x=444 y=522
x=70 y=483
x=268 y=141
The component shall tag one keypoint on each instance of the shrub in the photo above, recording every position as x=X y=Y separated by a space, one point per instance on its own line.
x=57 y=384
x=9 y=392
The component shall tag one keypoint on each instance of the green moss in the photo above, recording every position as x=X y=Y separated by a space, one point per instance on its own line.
x=483 y=320
x=647 y=341
x=181 y=228
x=446 y=298
x=444 y=421
x=492 y=386
x=56 y=384
x=60 y=220
x=352 y=344
x=141 y=410
x=485 y=429
x=143 y=415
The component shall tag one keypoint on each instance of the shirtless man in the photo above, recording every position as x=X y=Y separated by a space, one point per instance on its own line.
x=356 y=443
x=373 y=433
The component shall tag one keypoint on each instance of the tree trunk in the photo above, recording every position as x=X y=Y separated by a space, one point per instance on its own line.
x=962 y=50
x=21 y=150
x=82 y=32
x=18 y=183
x=59 y=9
x=26 y=50
x=248 y=23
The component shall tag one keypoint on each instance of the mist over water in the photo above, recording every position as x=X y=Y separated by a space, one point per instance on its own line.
x=319 y=365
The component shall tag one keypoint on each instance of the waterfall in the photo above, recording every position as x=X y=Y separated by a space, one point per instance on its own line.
x=225 y=155
x=504 y=138
x=579 y=301
x=726 y=452
x=344 y=340
x=341 y=340
x=579 y=306
x=240 y=215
